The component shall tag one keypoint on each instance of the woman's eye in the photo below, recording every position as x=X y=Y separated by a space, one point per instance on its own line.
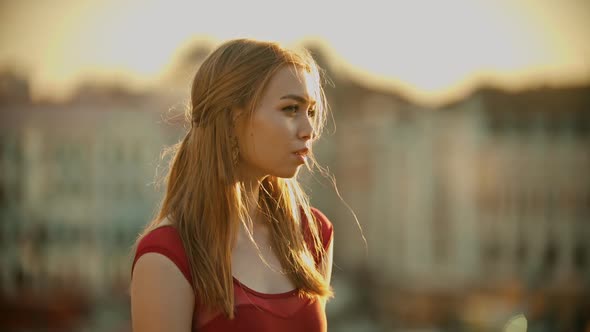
x=291 y=109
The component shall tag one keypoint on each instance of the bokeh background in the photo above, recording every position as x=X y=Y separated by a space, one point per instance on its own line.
x=461 y=141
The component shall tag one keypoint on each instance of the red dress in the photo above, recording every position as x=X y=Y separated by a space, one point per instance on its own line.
x=254 y=311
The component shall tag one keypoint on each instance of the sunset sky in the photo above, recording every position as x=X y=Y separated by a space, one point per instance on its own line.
x=428 y=49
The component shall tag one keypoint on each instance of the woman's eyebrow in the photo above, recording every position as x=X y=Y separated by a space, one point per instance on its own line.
x=299 y=98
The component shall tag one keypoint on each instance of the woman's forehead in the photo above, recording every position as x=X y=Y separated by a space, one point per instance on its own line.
x=290 y=81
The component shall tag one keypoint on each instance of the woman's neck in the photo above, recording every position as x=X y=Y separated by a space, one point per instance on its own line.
x=251 y=194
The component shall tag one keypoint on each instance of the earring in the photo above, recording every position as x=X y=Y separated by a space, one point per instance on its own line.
x=235 y=150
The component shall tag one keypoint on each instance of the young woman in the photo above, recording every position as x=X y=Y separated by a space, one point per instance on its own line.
x=236 y=245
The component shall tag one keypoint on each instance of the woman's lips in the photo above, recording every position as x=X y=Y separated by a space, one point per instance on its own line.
x=301 y=155
x=303 y=151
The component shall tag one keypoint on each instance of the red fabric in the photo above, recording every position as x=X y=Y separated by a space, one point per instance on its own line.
x=254 y=311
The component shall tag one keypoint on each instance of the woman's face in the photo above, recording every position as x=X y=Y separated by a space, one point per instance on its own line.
x=276 y=139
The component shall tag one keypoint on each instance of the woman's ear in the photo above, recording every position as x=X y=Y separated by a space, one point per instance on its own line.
x=238 y=116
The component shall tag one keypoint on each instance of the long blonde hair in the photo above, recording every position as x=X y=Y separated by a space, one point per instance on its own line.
x=204 y=199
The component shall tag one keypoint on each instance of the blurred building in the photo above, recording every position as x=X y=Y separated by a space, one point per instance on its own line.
x=479 y=194
x=76 y=185
x=14 y=88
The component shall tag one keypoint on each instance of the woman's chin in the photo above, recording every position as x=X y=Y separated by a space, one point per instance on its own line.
x=288 y=174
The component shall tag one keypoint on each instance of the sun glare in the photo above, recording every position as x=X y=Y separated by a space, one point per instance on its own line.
x=429 y=50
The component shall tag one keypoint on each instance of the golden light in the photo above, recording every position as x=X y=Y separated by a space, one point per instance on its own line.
x=429 y=50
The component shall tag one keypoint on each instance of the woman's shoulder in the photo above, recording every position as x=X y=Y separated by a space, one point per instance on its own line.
x=164 y=240
x=160 y=282
x=324 y=225
x=320 y=217
x=164 y=235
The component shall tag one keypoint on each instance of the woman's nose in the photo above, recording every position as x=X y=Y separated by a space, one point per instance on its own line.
x=306 y=128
